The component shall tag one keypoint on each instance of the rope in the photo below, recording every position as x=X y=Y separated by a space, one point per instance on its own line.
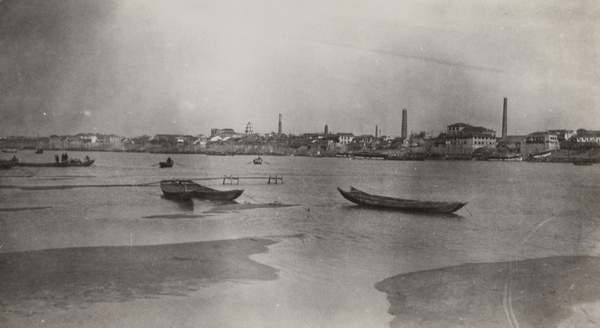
x=468 y=211
x=255 y=199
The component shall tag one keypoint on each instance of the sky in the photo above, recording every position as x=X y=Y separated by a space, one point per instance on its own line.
x=144 y=67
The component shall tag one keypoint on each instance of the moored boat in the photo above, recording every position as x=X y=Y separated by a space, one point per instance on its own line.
x=583 y=161
x=187 y=189
x=364 y=199
x=508 y=158
x=68 y=163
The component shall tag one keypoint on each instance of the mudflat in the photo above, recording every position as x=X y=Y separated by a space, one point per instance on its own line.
x=79 y=277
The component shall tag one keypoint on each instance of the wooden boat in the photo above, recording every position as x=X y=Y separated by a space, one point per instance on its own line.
x=541 y=155
x=67 y=163
x=583 y=161
x=39 y=151
x=258 y=161
x=9 y=150
x=6 y=164
x=166 y=164
x=187 y=189
x=507 y=158
x=364 y=199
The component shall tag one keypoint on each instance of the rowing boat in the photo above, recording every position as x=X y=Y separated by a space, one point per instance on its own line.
x=166 y=164
x=364 y=199
x=188 y=189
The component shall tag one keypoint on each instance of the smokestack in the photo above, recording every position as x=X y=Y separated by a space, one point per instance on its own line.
x=376 y=131
x=404 y=124
x=279 y=130
x=504 y=122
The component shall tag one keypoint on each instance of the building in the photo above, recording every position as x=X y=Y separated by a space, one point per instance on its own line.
x=224 y=133
x=249 y=128
x=345 y=138
x=538 y=142
x=512 y=143
x=563 y=135
x=464 y=139
x=584 y=136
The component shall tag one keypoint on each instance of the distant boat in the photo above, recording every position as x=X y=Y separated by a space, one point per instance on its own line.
x=9 y=150
x=542 y=154
x=7 y=164
x=187 y=189
x=258 y=160
x=68 y=163
x=583 y=161
x=39 y=151
x=510 y=158
x=364 y=199
x=168 y=163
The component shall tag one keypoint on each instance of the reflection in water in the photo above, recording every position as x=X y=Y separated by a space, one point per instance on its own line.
x=182 y=204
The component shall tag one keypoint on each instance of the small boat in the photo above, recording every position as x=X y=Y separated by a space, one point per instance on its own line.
x=6 y=164
x=583 y=161
x=258 y=160
x=39 y=151
x=507 y=158
x=188 y=189
x=362 y=198
x=9 y=150
x=68 y=163
x=166 y=164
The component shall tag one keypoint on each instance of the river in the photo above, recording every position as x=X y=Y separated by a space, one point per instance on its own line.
x=328 y=253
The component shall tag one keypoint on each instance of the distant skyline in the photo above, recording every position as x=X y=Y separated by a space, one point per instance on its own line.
x=136 y=67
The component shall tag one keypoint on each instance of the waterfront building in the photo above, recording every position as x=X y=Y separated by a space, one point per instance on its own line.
x=538 y=142
x=512 y=143
x=585 y=136
x=464 y=139
x=563 y=135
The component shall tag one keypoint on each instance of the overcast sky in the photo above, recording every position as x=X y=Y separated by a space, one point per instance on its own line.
x=134 y=67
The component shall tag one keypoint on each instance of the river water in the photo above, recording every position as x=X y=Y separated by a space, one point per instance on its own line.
x=329 y=253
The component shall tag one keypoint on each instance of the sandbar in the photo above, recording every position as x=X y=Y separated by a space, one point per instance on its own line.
x=80 y=277
x=546 y=292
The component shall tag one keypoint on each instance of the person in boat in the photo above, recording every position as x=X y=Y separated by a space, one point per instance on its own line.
x=87 y=158
x=169 y=160
x=14 y=159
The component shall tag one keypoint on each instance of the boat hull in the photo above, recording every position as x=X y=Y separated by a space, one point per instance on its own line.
x=57 y=164
x=364 y=199
x=165 y=164
x=187 y=189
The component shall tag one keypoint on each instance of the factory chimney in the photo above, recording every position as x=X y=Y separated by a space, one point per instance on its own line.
x=404 y=124
x=376 y=136
x=279 y=130
x=504 y=122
